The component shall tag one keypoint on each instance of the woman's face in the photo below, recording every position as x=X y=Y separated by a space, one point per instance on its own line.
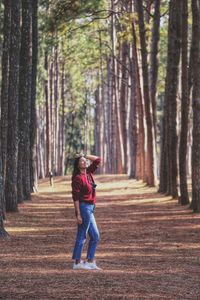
x=82 y=163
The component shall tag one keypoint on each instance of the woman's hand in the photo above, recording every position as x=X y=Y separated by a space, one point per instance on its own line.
x=79 y=219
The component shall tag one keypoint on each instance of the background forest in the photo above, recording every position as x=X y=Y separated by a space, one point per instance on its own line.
x=120 y=79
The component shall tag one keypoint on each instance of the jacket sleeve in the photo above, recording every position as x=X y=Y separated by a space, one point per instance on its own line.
x=76 y=188
x=94 y=165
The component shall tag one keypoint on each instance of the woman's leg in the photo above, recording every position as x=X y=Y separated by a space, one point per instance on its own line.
x=94 y=238
x=81 y=232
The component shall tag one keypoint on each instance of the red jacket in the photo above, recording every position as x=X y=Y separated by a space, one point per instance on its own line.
x=81 y=184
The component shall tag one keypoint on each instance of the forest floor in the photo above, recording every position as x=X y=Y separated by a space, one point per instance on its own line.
x=149 y=247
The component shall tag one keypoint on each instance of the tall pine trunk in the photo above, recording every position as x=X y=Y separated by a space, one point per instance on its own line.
x=150 y=176
x=12 y=149
x=33 y=128
x=62 y=153
x=184 y=198
x=196 y=109
x=140 y=142
x=24 y=179
x=47 y=109
x=4 y=95
x=168 y=165
x=154 y=59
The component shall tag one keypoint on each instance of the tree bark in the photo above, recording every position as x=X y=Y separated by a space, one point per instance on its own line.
x=150 y=137
x=33 y=129
x=48 y=145
x=25 y=80
x=154 y=59
x=62 y=158
x=12 y=149
x=3 y=232
x=4 y=94
x=56 y=103
x=5 y=82
x=113 y=132
x=140 y=151
x=196 y=109
x=184 y=198
x=168 y=171
x=123 y=104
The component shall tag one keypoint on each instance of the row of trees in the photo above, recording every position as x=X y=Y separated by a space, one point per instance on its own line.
x=18 y=104
x=126 y=95
x=100 y=71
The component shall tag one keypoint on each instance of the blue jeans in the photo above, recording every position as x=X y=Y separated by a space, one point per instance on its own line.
x=88 y=226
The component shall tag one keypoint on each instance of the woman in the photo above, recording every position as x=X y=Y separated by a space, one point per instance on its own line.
x=84 y=197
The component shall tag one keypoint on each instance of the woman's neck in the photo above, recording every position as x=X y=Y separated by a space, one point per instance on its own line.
x=83 y=171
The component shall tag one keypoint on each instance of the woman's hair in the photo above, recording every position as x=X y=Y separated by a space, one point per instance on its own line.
x=76 y=166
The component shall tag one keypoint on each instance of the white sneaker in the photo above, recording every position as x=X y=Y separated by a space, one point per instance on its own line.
x=81 y=266
x=92 y=266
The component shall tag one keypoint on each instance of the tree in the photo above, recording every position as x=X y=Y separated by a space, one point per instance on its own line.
x=13 y=95
x=3 y=233
x=154 y=59
x=24 y=118
x=184 y=198
x=33 y=171
x=150 y=136
x=168 y=165
x=4 y=95
x=196 y=109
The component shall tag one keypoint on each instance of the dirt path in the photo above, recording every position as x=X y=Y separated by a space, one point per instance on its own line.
x=149 y=246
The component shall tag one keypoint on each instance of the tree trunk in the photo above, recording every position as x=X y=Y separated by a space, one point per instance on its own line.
x=12 y=149
x=5 y=83
x=113 y=132
x=150 y=137
x=25 y=79
x=123 y=104
x=3 y=233
x=140 y=151
x=184 y=198
x=33 y=129
x=62 y=158
x=131 y=116
x=56 y=103
x=4 y=95
x=196 y=109
x=108 y=119
x=154 y=59
x=48 y=145
x=168 y=171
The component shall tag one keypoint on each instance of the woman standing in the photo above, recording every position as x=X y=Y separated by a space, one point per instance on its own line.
x=84 y=197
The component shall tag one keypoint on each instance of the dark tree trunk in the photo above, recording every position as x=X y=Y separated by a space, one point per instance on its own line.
x=48 y=152
x=168 y=164
x=154 y=59
x=132 y=132
x=184 y=198
x=24 y=189
x=62 y=158
x=3 y=233
x=4 y=95
x=56 y=103
x=196 y=109
x=33 y=171
x=12 y=149
x=150 y=137
x=123 y=106
x=113 y=132
x=140 y=141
